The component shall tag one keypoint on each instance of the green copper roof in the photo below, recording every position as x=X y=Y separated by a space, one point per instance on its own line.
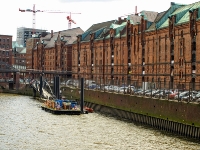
x=185 y=17
x=180 y=13
x=117 y=28
x=98 y=32
x=195 y=6
x=85 y=34
x=163 y=22
x=199 y=12
x=120 y=28
x=149 y=24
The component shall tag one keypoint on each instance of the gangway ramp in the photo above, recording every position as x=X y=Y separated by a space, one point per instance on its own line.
x=46 y=89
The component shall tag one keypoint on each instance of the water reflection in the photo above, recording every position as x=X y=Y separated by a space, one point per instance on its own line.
x=23 y=125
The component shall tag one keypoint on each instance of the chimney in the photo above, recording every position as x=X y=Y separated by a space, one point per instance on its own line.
x=51 y=33
x=136 y=13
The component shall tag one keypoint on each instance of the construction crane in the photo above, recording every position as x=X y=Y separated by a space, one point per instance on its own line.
x=47 y=11
x=70 y=21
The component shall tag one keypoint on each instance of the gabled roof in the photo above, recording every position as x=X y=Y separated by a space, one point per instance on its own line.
x=98 y=29
x=185 y=17
x=149 y=15
x=163 y=22
x=134 y=19
x=181 y=13
x=69 y=36
x=117 y=28
x=153 y=25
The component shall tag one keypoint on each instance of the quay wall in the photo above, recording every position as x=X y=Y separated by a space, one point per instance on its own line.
x=182 y=112
x=168 y=115
x=179 y=118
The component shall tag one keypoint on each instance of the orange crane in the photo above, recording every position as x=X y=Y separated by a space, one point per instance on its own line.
x=47 y=11
x=70 y=21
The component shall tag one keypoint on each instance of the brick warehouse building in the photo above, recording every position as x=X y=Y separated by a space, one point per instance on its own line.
x=152 y=47
x=5 y=53
x=52 y=53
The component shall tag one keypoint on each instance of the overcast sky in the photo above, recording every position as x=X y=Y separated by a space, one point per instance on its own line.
x=92 y=12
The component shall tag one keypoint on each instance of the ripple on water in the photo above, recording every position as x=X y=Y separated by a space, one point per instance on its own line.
x=25 y=126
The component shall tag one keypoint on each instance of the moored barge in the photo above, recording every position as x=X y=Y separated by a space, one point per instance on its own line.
x=68 y=107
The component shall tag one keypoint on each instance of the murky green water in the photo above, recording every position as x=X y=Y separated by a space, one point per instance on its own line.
x=24 y=126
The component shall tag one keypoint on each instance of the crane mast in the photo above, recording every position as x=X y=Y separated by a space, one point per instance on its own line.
x=34 y=11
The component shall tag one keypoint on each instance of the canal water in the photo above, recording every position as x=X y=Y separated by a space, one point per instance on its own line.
x=24 y=126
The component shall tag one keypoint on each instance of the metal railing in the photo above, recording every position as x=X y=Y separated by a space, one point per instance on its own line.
x=185 y=92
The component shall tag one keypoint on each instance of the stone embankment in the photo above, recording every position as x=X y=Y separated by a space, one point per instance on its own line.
x=171 y=116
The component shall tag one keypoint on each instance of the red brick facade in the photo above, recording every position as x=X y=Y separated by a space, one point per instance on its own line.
x=157 y=48
x=5 y=52
x=167 y=56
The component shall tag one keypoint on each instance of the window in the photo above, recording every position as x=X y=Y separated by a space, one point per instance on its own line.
x=180 y=74
x=100 y=62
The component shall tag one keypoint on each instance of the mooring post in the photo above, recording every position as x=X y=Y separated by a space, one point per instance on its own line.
x=82 y=94
x=41 y=85
x=58 y=87
x=54 y=86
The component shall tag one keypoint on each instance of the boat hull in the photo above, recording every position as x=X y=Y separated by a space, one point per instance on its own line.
x=61 y=111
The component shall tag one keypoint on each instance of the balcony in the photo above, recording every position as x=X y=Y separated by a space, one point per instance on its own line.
x=193 y=71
